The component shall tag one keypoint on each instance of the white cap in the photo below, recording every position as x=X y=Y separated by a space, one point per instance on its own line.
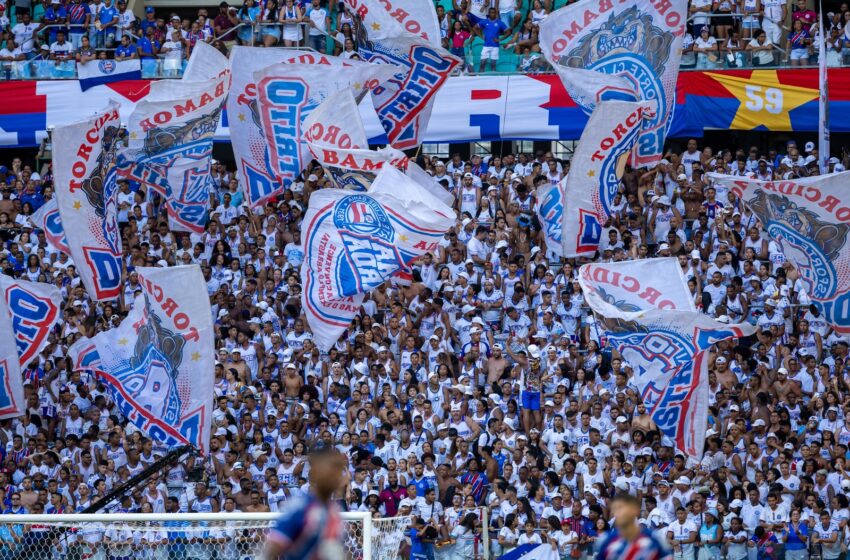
x=695 y=254
x=682 y=177
x=758 y=422
x=622 y=419
x=810 y=147
x=683 y=480
x=534 y=351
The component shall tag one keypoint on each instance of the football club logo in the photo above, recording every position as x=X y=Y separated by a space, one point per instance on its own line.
x=368 y=237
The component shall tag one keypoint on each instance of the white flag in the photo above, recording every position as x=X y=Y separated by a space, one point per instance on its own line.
x=594 y=178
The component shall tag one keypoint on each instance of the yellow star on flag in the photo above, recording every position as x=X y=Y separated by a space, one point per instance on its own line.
x=402 y=238
x=77 y=205
x=357 y=85
x=591 y=173
x=376 y=26
x=196 y=356
x=123 y=341
x=242 y=117
x=764 y=101
x=133 y=135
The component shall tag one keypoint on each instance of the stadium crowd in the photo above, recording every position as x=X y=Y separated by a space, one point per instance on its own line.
x=721 y=33
x=483 y=383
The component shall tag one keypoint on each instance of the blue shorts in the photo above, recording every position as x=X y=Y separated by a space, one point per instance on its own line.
x=530 y=400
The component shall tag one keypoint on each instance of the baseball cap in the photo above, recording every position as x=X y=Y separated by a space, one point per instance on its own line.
x=810 y=147
x=682 y=177
x=149 y=10
x=468 y=175
x=534 y=351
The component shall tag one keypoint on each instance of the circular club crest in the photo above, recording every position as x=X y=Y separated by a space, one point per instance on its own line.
x=106 y=66
x=815 y=268
x=637 y=70
x=362 y=215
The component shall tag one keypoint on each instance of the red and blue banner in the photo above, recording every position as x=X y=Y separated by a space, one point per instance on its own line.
x=467 y=108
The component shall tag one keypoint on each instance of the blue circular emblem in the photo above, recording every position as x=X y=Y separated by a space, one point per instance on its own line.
x=362 y=215
x=106 y=66
x=815 y=268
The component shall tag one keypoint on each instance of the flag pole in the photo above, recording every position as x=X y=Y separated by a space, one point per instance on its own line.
x=823 y=99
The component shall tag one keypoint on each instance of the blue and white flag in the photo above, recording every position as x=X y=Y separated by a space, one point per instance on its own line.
x=84 y=165
x=11 y=383
x=638 y=41
x=810 y=220
x=647 y=312
x=34 y=308
x=354 y=242
x=404 y=103
x=288 y=93
x=48 y=220
x=531 y=552
x=594 y=178
x=153 y=364
x=620 y=288
x=668 y=351
x=336 y=138
x=550 y=211
x=171 y=137
x=253 y=161
x=101 y=72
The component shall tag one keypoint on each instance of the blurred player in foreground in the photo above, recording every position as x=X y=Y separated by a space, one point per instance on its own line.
x=628 y=540
x=310 y=526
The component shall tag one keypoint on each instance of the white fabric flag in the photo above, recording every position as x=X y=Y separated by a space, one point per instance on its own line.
x=550 y=211
x=620 y=288
x=158 y=363
x=288 y=93
x=34 y=309
x=594 y=178
x=335 y=136
x=48 y=220
x=86 y=187
x=387 y=18
x=810 y=220
x=11 y=383
x=638 y=41
x=170 y=145
x=354 y=242
x=668 y=351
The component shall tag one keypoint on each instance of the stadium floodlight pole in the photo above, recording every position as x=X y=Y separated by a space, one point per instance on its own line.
x=122 y=489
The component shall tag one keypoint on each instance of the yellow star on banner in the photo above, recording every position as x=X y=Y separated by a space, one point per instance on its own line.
x=123 y=341
x=591 y=173
x=765 y=102
x=242 y=117
x=77 y=205
x=357 y=85
x=402 y=238
x=376 y=26
x=196 y=356
x=134 y=135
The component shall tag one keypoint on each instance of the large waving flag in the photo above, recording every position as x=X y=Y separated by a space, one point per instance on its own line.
x=355 y=241
x=34 y=308
x=171 y=136
x=85 y=171
x=156 y=363
x=639 y=41
x=48 y=220
x=403 y=103
x=11 y=383
x=648 y=314
x=668 y=351
x=550 y=211
x=810 y=219
x=386 y=18
x=288 y=93
x=253 y=162
x=598 y=166
x=634 y=286
x=336 y=138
